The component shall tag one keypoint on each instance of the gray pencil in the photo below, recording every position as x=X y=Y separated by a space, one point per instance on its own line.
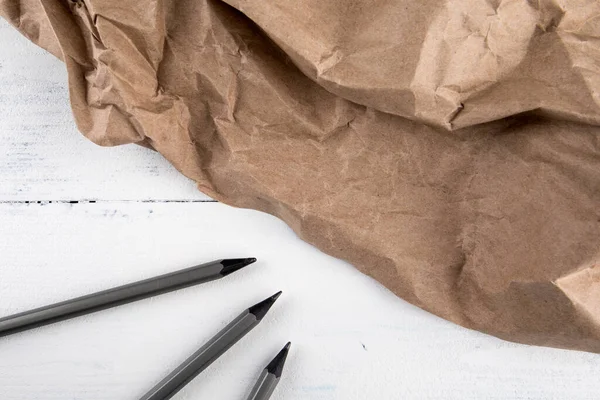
x=269 y=378
x=121 y=295
x=212 y=350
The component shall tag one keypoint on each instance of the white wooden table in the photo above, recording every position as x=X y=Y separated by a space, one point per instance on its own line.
x=76 y=218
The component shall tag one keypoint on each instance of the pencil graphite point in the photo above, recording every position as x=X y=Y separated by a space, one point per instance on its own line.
x=260 y=309
x=276 y=296
x=275 y=367
x=234 y=264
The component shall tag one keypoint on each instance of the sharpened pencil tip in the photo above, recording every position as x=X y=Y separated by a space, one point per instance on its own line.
x=233 y=264
x=276 y=295
x=260 y=309
x=275 y=367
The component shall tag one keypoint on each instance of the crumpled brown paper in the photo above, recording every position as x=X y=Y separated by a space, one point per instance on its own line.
x=448 y=148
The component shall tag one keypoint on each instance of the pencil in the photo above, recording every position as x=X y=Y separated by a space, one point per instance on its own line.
x=211 y=351
x=121 y=295
x=269 y=378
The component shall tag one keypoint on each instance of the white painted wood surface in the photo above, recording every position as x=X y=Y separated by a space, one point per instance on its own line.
x=352 y=339
x=44 y=157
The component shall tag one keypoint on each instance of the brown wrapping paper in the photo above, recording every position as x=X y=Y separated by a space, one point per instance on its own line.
x=448 y=148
